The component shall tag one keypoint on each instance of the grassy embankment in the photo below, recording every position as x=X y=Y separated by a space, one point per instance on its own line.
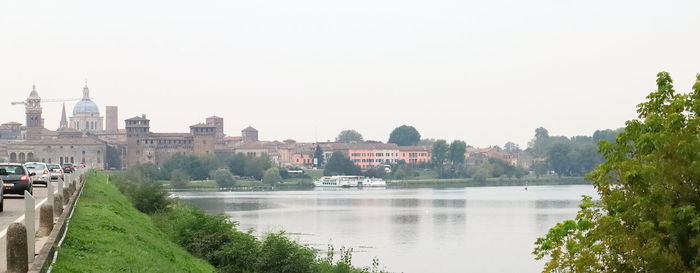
x=107 y=234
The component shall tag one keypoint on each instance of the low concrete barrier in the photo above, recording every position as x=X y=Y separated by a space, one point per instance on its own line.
x=17 y=250
x=48 y=252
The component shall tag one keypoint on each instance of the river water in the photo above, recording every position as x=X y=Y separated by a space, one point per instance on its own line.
x=475 y=229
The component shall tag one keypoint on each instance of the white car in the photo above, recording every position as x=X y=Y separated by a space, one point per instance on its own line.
x=56 y=172
x=43 y=175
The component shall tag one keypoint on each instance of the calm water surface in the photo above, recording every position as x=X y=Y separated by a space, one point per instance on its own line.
x=476 y=229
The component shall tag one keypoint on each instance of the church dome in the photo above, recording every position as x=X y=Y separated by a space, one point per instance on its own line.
x=34 y=93
x=86 y=107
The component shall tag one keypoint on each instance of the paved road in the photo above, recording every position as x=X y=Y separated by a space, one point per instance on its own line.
x=14 y=212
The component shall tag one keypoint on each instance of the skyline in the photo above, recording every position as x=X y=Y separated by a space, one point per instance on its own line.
x=485 y=73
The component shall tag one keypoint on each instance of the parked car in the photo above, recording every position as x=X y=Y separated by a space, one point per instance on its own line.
x=56 y=172
x=41 y=170
x=68 y=168
x=16 y=179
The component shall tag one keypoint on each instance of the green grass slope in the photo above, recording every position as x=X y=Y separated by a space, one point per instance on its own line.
x=107 y=234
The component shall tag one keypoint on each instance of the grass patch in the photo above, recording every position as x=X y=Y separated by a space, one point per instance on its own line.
x=107 y=234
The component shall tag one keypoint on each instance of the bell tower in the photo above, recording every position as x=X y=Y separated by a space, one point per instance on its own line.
x=33 y=110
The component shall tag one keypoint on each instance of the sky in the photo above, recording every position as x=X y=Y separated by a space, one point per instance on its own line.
x=485 y=72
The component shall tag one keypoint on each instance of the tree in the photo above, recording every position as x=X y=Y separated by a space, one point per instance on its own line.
x=456 y=152
x=439 y=153
x=404 y=135
x=648 y=218
x=349 y=136
x=256 y=166
x=224 y=178
x=339 y=164
x=236 y=164
x=511 y=147
x=272 y=176
x=318 y=155
x=179 y=179
x=558 y=158
x=538 y=145
x=539 y=168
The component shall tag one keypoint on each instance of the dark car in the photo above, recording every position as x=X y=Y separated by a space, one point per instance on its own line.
x=68 y=168
x=16 y=179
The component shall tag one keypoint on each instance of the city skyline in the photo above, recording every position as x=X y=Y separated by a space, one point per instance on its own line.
x=485 y=73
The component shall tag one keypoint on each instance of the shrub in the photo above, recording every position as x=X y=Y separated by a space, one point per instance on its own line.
x=224 y=178
x=272 y=176
x=279 y=254
x=179 y=179
x=146 y=195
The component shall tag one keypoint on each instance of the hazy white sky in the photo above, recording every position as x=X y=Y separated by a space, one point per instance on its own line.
x=482 y=71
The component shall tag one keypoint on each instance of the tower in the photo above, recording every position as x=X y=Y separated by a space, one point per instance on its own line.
x=33 y=110
x=204 y=139
x=137 y=133
x=249 y=134
x=112 y=118
x=217 y=122
x=64 y=120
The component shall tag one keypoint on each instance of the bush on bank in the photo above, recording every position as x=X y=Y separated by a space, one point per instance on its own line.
x=216 y=239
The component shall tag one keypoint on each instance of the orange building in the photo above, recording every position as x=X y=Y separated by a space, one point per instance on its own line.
x=415 y=154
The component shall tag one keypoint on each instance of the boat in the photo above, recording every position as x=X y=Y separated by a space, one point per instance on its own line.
x=347 y=181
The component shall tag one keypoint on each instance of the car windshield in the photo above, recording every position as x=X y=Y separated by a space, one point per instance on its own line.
x=13 y=170
x=35 y=166
x=53 y=167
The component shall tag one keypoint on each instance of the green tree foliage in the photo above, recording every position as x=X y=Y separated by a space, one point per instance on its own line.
x=648 y=219
x=196 y=167
x=439 y=153
x=339 y=164
x=236 y=164
x=224 y=178
x=558 y=158
x=147 y=195
x=179 y=179
x=256 y=166
x=242 y=165
x=456 y=152
x=349 y=136
x=511 y=147
x=404 y=135
x=279 y=254
x=318 y=155
x=403 y=171
x=272 y=176
x=539 y=168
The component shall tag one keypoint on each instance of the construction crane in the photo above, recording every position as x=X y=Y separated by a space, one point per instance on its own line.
x=46 y=100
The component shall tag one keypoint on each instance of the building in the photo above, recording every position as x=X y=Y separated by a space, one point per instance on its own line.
x=69 y=147
x=249 y=134
x=86 y=115
x=364 y=155
x=144 y=146
x=415 y=154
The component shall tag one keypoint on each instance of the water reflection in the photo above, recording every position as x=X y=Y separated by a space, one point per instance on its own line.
x=488 y=229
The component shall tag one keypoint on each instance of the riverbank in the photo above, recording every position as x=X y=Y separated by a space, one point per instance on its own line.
x=491 y=182
x=302 y=184
x=129 y=224
x=107 y=234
